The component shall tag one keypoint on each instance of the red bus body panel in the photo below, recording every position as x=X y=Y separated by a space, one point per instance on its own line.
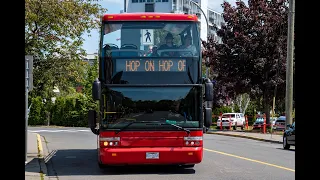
x=134 y=146
x=149 y=17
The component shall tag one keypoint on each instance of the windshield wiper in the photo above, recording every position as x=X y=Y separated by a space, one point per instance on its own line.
x=178 y=127
x=134 y=122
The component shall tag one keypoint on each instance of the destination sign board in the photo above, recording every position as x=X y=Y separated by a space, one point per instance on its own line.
x=151 y=65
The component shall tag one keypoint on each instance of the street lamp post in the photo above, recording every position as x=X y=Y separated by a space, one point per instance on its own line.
x=196 y=4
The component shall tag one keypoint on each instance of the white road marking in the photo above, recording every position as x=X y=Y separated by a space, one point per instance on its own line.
x=58 y=130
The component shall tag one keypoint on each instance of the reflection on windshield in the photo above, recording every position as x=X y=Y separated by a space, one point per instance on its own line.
x=259 y=120
x=228 y=115
x=176 y=105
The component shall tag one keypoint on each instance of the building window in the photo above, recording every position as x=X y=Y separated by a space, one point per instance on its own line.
x=165 y=0
x=150 y=0
x=149 y=7
x=134 y=1
x=158 y=0
x=142 y=1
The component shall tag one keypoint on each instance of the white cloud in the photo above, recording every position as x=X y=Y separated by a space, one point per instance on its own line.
x=216 y=4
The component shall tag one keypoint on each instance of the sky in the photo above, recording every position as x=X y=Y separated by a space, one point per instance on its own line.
x=91 y=44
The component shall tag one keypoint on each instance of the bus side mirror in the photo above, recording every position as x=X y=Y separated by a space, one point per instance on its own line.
x=207 y=117
x=92 y=121
x=92 y=116
x=208 y=90
x=96 y=90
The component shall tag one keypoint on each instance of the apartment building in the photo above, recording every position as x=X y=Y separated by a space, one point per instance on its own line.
x=180 y=6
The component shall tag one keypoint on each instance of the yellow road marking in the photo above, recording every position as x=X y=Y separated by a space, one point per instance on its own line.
x=252 y=160
x=40 y=149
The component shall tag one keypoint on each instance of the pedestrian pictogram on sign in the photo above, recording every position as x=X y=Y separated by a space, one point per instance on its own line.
x=147 y=36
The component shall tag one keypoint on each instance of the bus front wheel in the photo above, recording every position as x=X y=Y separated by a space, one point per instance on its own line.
x=102 y=166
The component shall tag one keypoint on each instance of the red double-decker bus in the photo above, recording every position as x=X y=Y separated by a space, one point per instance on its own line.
x=150 y=91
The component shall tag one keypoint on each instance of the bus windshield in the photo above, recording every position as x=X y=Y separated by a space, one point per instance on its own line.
x=175 y=105
x=150 y=52
x=151 y=39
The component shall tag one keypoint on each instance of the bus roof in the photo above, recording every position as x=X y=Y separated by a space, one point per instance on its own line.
x=149 y=17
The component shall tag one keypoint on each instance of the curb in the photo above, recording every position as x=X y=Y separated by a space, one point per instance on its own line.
x=247 y=137
x=43 y=168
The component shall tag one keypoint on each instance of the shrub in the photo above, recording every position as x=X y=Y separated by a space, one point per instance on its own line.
x=216 y=112
x=36 y=114
x=69 y=110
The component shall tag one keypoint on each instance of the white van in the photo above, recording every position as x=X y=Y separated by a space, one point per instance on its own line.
x=237 y=120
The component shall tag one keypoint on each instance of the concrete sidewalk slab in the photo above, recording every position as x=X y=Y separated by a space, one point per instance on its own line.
x=274 y=138
x=35 y=166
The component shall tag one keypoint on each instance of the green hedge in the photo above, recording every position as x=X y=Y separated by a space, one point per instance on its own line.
x=216 y=112
x=66 y=111
x=37 y=113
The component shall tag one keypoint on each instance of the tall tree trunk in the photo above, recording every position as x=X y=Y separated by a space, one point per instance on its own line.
x=266 y=107
x=240 y=103
x=246 y=105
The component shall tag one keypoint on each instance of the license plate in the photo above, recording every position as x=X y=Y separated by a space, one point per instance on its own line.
x=152 y=155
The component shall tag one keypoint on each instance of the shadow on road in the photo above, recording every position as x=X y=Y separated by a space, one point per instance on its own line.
x=160 y=170
x=287 y=149
x=33 y=166
x=73 y=162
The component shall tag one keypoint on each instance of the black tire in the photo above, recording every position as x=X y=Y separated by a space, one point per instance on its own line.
x=187 y=166
x=102 y=166
x=242 y=127
x=285 y=143
x=205 y=130
x=235 y=126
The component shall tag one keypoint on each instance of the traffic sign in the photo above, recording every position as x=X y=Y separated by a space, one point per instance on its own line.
x=147 y=37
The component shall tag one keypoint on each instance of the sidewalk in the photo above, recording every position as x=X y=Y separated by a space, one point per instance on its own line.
x=35 y=168
x=274 y=138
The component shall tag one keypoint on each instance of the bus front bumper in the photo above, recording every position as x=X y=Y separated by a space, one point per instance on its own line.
x=154 y=155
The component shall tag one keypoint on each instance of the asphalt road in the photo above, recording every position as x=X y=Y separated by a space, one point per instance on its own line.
x=74 y=157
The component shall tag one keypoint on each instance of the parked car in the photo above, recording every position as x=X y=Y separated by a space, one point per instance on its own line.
x=280 y=123
x=289 y=136
x=237 y=120
x=273 y=120
x=258 y=124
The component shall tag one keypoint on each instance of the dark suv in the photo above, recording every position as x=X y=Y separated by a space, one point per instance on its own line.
x=289 y=137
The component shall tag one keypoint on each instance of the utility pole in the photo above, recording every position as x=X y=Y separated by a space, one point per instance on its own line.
x=289 y=69
x=205 y=17
x=28 y=87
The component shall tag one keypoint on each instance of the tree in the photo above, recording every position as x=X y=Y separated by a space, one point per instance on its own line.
x=91 y=75
x=252 y=57
x=242 y=101
x=53 y=33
